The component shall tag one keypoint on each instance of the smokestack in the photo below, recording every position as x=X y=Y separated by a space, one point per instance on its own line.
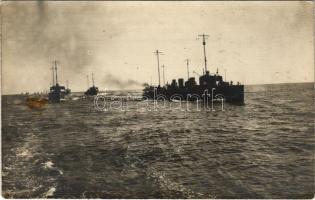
x=53 y=75
x=181 y=82
x=87 y=81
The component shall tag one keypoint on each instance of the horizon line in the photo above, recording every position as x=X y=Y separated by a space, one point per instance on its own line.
x=4 y=94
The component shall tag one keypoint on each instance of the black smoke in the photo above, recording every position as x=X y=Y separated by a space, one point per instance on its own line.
x=111 y=81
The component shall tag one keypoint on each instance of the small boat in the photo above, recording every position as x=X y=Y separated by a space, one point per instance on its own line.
x=36 y=102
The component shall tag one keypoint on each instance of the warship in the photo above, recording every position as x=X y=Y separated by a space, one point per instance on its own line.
x=92 y=90
x=211 y=85
x=57 y=92
x=68 y=90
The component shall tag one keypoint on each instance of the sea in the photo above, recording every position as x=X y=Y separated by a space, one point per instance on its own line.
x=74 y=149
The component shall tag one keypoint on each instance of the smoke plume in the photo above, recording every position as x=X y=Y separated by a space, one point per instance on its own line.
x=111 y=81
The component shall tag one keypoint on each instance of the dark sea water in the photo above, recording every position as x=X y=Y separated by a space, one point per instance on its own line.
x=264 y=149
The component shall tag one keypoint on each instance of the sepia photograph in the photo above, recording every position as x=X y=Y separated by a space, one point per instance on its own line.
x=157 y=99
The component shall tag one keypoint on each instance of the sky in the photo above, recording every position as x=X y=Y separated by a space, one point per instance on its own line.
x=257 y=42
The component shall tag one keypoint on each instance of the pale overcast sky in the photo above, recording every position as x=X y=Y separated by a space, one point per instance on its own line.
x=256 y=42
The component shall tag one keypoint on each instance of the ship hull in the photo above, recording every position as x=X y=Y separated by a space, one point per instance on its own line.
x=232 y=93
x=57 y=92
x=56 y=97
x=92 y=91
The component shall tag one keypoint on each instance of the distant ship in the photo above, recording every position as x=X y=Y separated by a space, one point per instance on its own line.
x=92 y=91
x=212 y=85
x=68 y=90
x=57 y=92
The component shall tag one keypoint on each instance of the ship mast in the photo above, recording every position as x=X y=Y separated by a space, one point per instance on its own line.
x=204 y=37
x=187 y=62
x=67 y=84
x=53 y=75
x=87 y=81
x=56 y=72
x=163 y=66
x=157 y=52
x=93 y=79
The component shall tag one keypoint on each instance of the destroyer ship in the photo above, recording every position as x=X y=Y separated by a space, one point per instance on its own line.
x=210 y=85
x=92 y=91
x=57 y=92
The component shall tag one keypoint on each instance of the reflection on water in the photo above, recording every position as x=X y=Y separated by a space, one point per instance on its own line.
x=264 y=149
